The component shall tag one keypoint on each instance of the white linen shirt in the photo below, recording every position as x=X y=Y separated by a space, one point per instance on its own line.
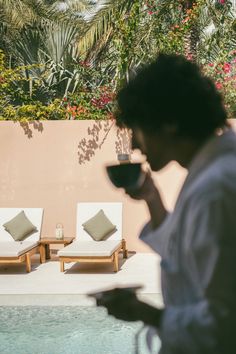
x=197 y=244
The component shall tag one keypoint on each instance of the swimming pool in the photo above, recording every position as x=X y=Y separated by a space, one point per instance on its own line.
x=66 y=330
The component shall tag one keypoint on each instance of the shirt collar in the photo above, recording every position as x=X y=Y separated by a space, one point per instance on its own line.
x=215 y=147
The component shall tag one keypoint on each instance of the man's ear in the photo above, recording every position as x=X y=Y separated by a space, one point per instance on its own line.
x=135 y=144
x=170 y=129
x=138 y=140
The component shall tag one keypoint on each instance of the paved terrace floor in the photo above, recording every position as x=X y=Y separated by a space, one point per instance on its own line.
x=46 y=285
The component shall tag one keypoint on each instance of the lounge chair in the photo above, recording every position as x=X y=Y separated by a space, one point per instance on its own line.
x=85 y=248
x=12 y=251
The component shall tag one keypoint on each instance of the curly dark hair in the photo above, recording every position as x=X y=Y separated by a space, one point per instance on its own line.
x=171 y=90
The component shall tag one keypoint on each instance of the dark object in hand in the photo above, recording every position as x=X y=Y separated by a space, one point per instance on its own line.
x=128 y=175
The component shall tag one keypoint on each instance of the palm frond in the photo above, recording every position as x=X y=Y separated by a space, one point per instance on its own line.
x=58 y=38
x=102 y=25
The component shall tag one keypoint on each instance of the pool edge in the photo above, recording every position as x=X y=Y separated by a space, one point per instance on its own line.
x=63 y=299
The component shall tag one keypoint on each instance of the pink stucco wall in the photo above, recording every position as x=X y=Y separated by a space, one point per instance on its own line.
x=56 y=168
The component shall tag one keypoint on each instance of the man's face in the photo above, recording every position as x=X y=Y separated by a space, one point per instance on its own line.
x=157 y=147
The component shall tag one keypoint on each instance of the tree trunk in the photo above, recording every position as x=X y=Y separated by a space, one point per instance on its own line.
x=192 y=38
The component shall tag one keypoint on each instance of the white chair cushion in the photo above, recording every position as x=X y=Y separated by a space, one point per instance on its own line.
x=90 y=249
x=16 y=248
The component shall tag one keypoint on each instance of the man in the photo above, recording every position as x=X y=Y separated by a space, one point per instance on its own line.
x=175 y=113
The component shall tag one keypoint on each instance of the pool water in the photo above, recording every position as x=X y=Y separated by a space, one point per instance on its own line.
x=66 y=330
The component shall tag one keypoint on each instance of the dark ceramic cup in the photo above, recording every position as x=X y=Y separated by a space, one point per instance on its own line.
x=129 y=175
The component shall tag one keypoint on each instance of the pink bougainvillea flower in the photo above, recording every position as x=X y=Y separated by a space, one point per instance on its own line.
x=226 y=68
x=219 y=86
x=189 y=56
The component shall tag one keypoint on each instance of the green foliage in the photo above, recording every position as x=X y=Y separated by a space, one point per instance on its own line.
x=202 y=30
x=36 y=111
x=59 y=65
x=90 y=104
x=20 y=96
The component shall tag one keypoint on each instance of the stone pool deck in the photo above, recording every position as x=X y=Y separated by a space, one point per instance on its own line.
x=46 y=285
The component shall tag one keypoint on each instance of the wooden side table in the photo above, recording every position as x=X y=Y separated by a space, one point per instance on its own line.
x=47 y=241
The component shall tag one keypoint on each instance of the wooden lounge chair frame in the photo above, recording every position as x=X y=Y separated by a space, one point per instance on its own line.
x=8 y=213
x=23 y=258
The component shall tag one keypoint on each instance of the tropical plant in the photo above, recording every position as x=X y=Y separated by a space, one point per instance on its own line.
x=44 y=35
x=66 y=50
x=125 y=34
x=90 y=104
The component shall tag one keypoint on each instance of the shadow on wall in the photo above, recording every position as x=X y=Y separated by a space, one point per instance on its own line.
x=26 y=126
x=123 y=143
x=97 y=135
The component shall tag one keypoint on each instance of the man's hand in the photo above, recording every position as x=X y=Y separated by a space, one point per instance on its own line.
x=149 y=192
x=123 y=304
x=120 y=302
x=145 y=191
